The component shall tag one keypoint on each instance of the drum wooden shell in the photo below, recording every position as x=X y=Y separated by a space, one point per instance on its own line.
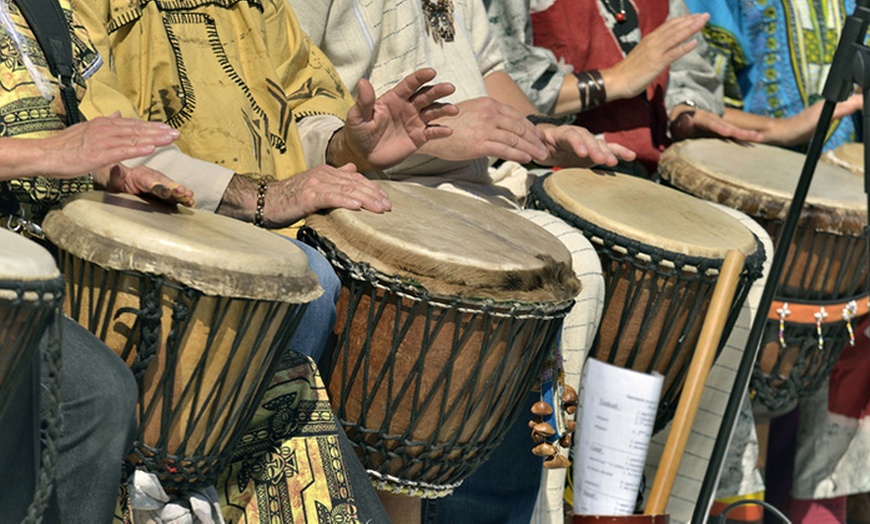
x=826 y=263
x=31 y=289
x=427 y=382
x=828 y=259
x=660 y=251
x=172 y=292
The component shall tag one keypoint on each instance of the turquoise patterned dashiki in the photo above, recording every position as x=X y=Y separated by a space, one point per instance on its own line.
x=774 y=55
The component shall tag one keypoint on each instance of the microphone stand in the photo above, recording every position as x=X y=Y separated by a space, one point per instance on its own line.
x=851 y=64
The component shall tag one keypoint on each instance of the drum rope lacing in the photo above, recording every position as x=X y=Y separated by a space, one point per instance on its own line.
x=676 y=286
x=25 y=298
x=449 y=458
x=811 y=320
x=406 y=288
x=195 y=464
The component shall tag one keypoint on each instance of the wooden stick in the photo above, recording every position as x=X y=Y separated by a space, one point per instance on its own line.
x=696 y=378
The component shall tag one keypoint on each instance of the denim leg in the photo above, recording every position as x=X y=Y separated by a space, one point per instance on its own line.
x=503 y=490
x=319 y=318
x=98 y=423
x=368 y=504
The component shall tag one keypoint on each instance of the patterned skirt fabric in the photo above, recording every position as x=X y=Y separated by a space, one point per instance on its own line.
x=293 y=465
x=290 y=466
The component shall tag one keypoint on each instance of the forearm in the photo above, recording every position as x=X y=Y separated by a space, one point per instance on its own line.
x=500 y=86
x=748 y=120
x=568 y=102
x=22 y=157
x=583 y=91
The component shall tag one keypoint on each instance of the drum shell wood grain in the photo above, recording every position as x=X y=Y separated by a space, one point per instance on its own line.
x=759 y=180
x=453 y=300
x=653 y=307
x=826 y=262
x=202 y=327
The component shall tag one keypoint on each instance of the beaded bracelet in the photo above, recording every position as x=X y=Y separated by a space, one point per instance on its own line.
x=262 y=186
x=590 y=85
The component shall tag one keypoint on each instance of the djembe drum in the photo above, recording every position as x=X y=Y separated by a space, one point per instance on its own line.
x=200 y=306
x=448 y=309
x=660 y=251
x=31 y=289
x=823 y=288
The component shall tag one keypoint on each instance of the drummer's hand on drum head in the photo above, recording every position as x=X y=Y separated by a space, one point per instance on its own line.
x=290 y=200
x=486 y=127
x=575 y=146
x=652 y=56
x=797 y=130
x=691 y=122
x=381 y=132
x=144 y=181
x=88 y=146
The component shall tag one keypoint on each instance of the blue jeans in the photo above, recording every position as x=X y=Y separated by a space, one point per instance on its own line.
x=319 y=318
x=503 y=490
x=98 y=423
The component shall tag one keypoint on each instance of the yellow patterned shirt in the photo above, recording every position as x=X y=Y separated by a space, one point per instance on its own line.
x=233 y=76
x=26 y=113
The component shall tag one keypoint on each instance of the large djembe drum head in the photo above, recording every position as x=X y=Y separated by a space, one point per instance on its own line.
x=823 y=287
x=448 y=309
x=661 y=252
x=199 y=305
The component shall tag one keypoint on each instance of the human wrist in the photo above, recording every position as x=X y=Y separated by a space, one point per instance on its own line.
x=339 y=152
x=688 y=107
x=591 y=89
x=259 y=219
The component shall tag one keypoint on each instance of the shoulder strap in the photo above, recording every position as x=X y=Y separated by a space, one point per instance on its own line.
x=50 y=27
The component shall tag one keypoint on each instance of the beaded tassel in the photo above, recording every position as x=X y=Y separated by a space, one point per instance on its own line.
x=821 y=315
x=784 y=311
x=848 y=313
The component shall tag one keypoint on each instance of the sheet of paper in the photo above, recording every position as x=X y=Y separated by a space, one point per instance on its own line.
x=617 y=412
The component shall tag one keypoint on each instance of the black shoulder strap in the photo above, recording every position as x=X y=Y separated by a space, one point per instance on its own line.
x=49 y=25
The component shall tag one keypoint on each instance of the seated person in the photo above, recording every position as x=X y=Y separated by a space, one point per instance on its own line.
x=269 y=134
x=382 y=42
x=785 y=81
x=654 y=83
x=44 y=161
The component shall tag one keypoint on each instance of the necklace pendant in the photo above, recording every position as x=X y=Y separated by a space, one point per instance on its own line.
x=620 y=17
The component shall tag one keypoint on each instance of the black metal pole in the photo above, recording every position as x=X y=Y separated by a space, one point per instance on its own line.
x=837 y=87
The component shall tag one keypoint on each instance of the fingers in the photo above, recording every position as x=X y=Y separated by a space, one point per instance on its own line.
x=518 y=145
x=621 y=152
x=583 y=145
x=365 y=101
x=706 y=124
x=325 y=187
x=438 y=110
x=173 y=193
x=143 y=181
x=848 y=107
x=413 y=82
x=426 y=96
